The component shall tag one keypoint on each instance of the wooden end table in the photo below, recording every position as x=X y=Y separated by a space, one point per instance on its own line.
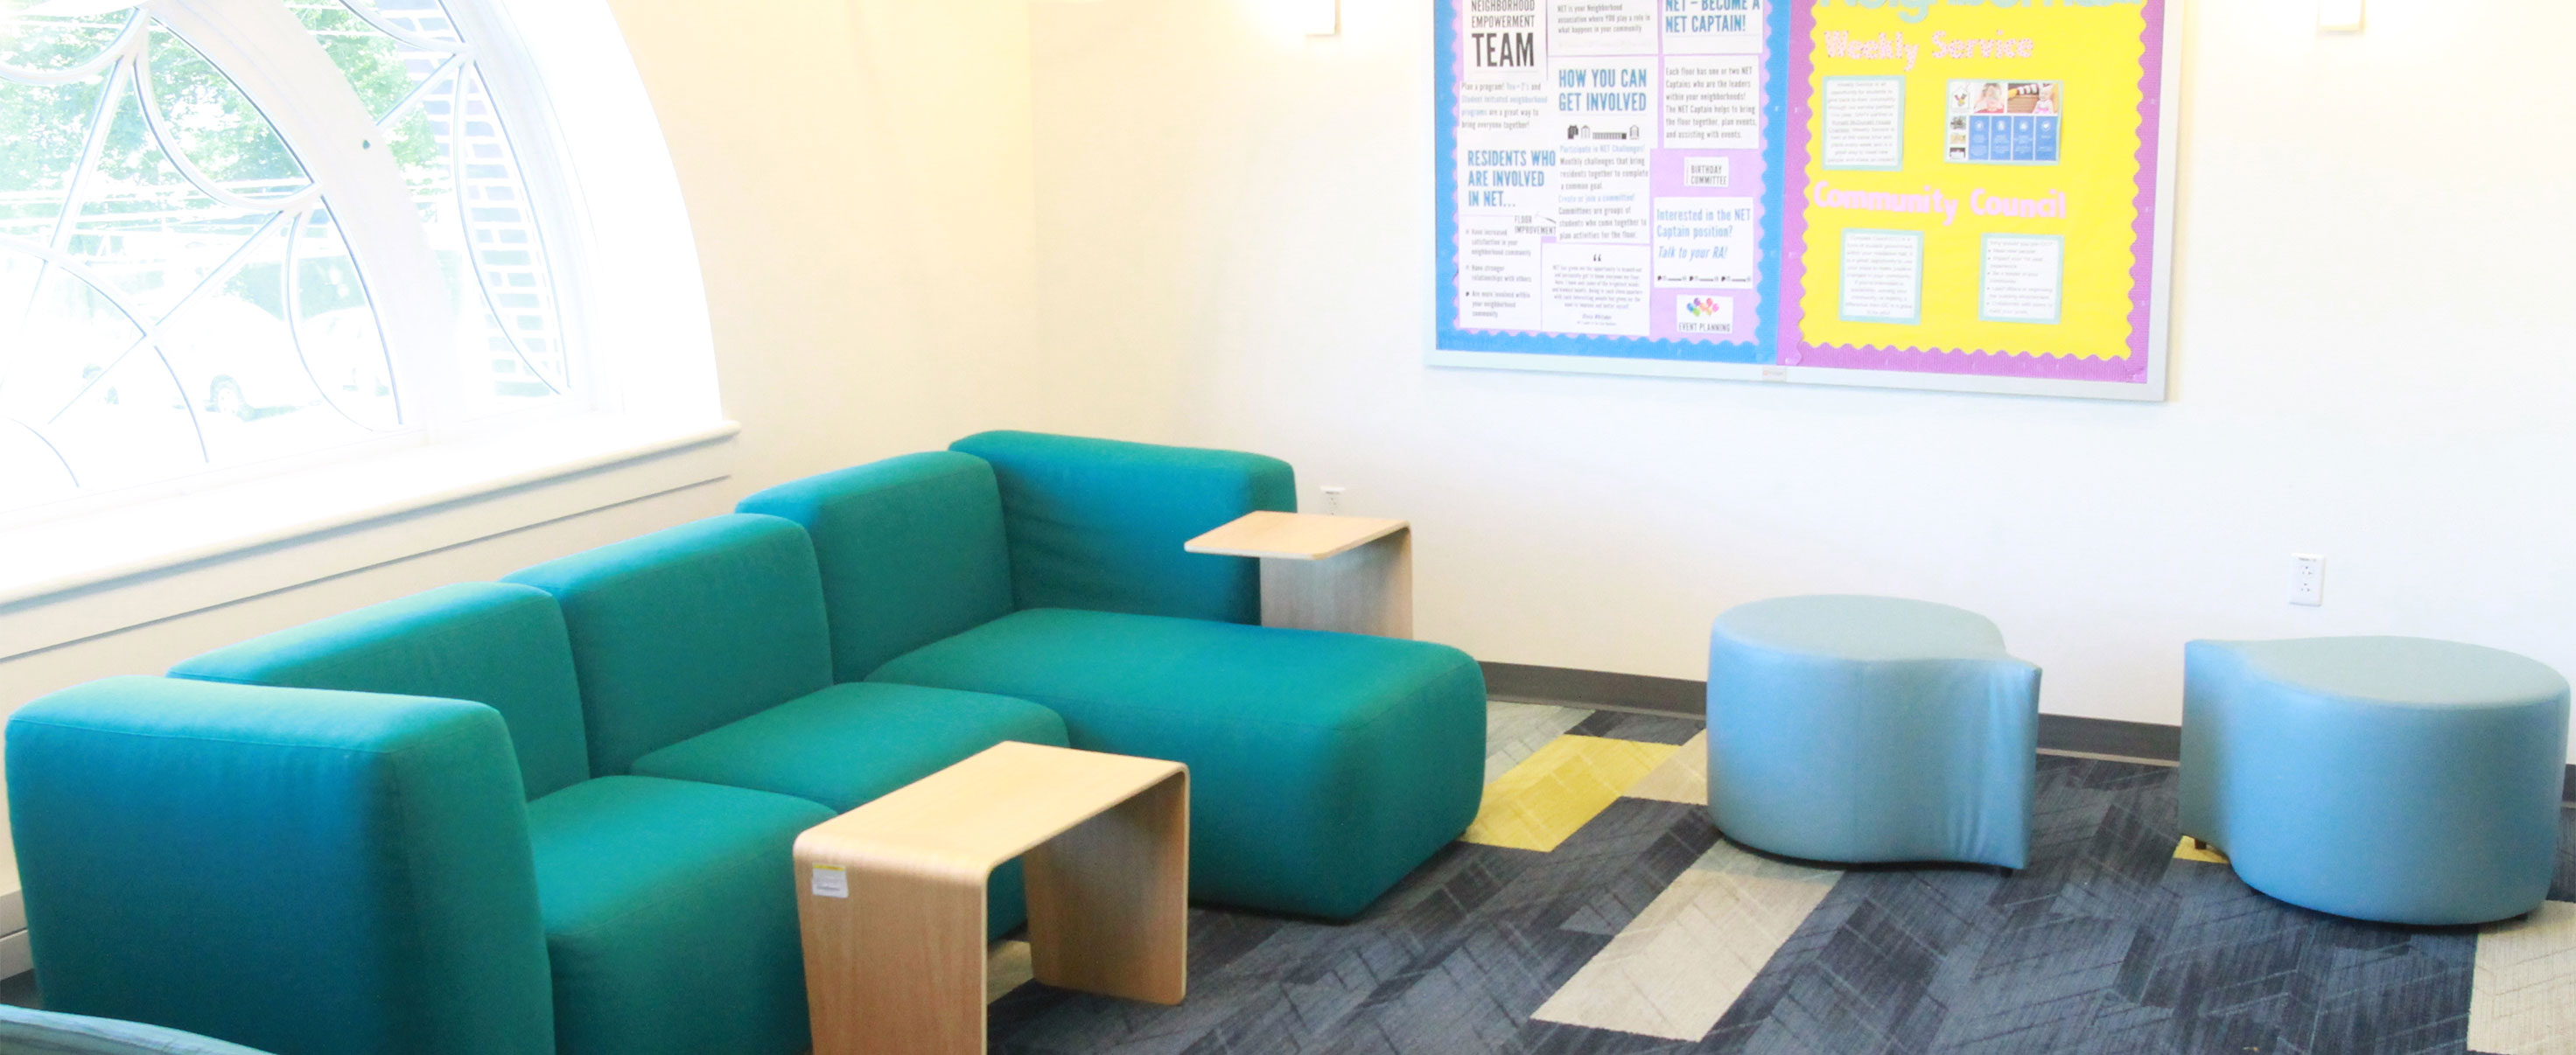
x=890 y=895
x=1351 y=574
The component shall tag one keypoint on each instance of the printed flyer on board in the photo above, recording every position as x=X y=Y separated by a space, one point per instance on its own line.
x=1960 y=194
x=1610 y=178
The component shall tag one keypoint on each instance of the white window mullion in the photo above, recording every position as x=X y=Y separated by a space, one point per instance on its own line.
x=306 y=98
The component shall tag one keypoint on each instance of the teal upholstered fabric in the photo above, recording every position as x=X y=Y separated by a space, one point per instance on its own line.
x=1323 y=767
x=29 y=1032
x=2383 y=778
x=684 y=630
x=1870 y=729
x=493 y=643
x=911 y=551
x=294 y=870
x=670 y=916
x=1099 y=524
x=849 y=744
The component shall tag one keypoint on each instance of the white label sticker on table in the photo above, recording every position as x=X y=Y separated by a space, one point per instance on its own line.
x=830 y=881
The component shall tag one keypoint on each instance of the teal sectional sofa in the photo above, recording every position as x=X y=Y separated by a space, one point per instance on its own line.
x=555 y=813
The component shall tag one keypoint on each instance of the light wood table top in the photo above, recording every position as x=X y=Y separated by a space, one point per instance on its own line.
x=1293 y=536
x=988 y=809
x=891 y=895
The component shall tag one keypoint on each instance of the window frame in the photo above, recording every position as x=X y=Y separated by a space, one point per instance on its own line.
x=645 y=420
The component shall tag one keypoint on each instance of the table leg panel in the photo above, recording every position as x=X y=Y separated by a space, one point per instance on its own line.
x=1109 y=900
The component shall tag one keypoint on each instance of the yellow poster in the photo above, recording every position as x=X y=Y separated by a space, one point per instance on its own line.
x=1974 y=187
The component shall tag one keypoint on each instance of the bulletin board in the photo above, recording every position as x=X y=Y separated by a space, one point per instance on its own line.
x=1968 y=195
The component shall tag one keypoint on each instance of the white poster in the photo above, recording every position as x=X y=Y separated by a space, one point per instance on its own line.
x=1519 y=182
x=1713 y=27
x=1704 y=242
x=2022 y=279
x=1604 y=27
x=1602 y=191
x=1597 y=289
x=1505 y=43
x=1498 y=273
x=1864 y=122
x=1883 y=276
x=1713 y=103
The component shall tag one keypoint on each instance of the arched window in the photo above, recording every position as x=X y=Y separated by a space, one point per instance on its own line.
x=246 y=231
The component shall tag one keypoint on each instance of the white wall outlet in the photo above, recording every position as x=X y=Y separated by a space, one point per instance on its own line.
x=1332 y=499
x=2307 y=580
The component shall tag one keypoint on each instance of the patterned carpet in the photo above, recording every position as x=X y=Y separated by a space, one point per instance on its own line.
x=1594 y=909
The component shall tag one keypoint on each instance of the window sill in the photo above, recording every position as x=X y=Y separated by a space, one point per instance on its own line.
x=81 y=576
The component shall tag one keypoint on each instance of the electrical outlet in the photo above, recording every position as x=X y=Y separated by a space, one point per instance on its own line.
x=1332 y=500
x=2307 y=580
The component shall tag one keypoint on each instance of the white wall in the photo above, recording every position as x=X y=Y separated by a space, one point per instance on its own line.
x=861 y=190
x=2371 y=359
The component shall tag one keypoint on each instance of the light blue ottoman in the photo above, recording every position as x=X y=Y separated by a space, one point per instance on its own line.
x=1861 y=729
x=2382 y=778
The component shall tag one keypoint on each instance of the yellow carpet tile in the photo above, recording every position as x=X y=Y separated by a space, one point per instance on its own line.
x=1559 y=789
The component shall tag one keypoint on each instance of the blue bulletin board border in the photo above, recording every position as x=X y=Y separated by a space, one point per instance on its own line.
x=1453 y=346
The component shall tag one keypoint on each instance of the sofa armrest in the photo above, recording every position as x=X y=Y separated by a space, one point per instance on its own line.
x=1099 y=524
x=290 y=869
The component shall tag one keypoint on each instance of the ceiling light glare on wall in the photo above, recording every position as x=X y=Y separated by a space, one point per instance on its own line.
x=2339 y=16
x=1323 y=18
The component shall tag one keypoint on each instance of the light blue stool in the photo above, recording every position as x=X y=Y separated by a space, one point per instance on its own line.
x=2383 y=778
x=1861 y=729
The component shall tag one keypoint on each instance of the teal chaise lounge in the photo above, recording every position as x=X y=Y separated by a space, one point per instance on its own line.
x=555 y=813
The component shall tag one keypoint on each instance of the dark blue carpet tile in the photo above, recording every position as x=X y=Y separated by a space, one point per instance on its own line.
x=1454 y=959
x=2105 y=945
x=1643 y=728
x=2564 y=887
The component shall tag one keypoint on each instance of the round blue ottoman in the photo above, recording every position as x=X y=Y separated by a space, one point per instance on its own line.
x=2383 y=778
x=1861 y=729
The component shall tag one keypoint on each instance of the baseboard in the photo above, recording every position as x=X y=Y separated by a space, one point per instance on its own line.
x=1680 y=697
x=1596 y=690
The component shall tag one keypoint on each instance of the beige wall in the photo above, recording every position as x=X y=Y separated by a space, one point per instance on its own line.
x=2371 y=359
x=862 y=197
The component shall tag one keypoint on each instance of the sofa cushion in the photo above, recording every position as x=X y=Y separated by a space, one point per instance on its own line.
x=670 y=916
x=848 y=744
x=1099 y=524
x=684 y=630
x=910 y=548
x=1323 y=767
x=498 y=644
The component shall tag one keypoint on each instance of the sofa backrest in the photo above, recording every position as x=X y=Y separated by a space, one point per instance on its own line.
x=911 y=550
x=497 y=644
x=1099 y=524
x=683 y=630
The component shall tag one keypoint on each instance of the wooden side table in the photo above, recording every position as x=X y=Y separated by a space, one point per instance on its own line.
x=1351 y=574
x=891 y=895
